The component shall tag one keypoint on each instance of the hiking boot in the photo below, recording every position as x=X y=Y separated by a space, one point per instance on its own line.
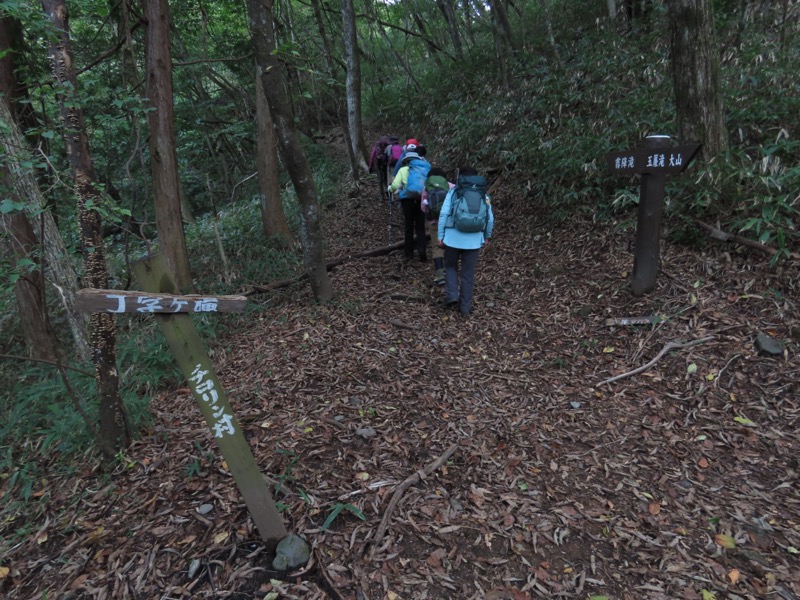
x=438 y=278
x=449 y=303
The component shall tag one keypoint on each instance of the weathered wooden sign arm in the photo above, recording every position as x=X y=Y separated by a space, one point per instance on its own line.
x=653 y=160
x=122 y=301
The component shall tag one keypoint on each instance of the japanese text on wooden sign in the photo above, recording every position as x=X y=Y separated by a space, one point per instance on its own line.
x=204 y=387
x=651 y=160
x=121 y=301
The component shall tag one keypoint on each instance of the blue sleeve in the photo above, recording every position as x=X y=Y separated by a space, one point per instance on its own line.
x=445 y=214
x=399 y=163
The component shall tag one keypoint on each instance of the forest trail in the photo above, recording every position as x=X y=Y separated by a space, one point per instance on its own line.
x=679 y=479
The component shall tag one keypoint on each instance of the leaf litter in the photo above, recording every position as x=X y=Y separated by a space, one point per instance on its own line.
x=665 y=484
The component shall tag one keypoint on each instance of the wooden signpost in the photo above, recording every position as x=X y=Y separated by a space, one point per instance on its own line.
x=160 y=298
x=653 y=160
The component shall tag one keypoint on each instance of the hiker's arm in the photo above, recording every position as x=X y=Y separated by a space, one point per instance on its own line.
x=397 y=182
x=443 y=214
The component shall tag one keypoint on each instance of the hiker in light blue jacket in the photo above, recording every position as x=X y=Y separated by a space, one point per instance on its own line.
x=460 y=244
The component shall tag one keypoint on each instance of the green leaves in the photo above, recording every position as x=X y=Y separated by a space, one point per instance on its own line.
x=337 y=509
x=9 y=206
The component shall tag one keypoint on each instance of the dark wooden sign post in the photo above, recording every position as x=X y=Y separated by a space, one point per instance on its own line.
x=653 y=160
x=171 y=310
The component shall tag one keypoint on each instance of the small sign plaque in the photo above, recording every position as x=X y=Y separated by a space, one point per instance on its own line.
x=651 y=160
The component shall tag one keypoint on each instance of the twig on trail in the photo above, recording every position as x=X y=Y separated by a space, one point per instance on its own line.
x=722 y=370
x=723 y=236
x=667 y=347
x=406 y=297
x=402 y=325
x=398 y=493
x=260 y=289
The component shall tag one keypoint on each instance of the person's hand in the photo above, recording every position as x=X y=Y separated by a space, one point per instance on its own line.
x=486 y=244
x=389 y=189
x=441 y=243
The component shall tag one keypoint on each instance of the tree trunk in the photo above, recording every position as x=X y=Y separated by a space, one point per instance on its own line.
x=269 y=184
x=446 y=8
x=611 y=5
x=114 y=430
x=696 y=78
x=163 y=159
x=433 y=50
x=21 y=242
x=23 y=185
x=500 y=14
x=353 y=84
x=332 y=73
x=294 y=159
x=500 y=54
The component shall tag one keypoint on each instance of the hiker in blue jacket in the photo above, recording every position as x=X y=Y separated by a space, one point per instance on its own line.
x=410 y=181
x=463 y=246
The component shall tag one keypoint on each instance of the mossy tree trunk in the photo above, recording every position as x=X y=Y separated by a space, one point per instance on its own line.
x=294 y=159
x=114 y=430
x=26 y=227
x=696 y=76
x=353 y=85
x=163 y=158
x=273 y=217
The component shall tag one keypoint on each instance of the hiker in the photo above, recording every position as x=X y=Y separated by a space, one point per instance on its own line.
x=436 y=189
x=411 y=146
x=379 y=160
x=465 y=226
x=410 y=181
x=393 y=153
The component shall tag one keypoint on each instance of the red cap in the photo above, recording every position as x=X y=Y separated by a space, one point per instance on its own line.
x=412 y=141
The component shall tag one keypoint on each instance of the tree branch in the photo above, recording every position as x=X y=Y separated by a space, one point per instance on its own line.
x=398 y=493
x=47 y=362
x=667 y=347
x=724 y=236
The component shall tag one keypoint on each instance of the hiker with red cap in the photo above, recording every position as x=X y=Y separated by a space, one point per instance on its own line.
x=412 y=145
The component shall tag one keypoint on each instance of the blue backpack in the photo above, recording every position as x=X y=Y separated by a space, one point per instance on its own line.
x=470 y=208
x=417 y=174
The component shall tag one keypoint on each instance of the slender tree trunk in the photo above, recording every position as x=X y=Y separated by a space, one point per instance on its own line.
x=163 y=159
x=433 y=50
x=114 y=430
x=501 y=15
x=332 y=73
x=22 y=183
x=611 y=5
x=353 y=84
x=294 y=159
x=269 y=185
x=500 y=54
x=21 y=242
x=446 y=8
x=695 y=74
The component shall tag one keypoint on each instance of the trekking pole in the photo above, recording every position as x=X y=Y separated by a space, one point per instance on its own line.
x=389 y=226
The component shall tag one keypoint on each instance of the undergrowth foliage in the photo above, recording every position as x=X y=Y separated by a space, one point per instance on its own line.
x=604 y=87
x=38 y=423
